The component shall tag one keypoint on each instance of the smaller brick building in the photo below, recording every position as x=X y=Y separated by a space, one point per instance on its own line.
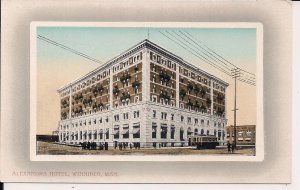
x=245 y=134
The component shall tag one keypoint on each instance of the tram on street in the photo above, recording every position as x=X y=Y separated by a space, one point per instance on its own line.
x=203 y=141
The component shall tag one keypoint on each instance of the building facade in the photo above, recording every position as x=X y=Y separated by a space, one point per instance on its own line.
x=146 y=95
x=245 y=134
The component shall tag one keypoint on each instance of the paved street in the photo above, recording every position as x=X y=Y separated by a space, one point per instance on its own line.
x=57 y=149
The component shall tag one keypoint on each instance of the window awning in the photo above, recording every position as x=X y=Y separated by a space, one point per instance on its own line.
x=125 y=131
x=135 y=130
x=163 y=125
x=101 y=131
x=107 y=131
x=115 y=132
x=136 y=124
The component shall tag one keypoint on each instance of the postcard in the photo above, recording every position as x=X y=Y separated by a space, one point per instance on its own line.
x=146 y=91
x=140 y=92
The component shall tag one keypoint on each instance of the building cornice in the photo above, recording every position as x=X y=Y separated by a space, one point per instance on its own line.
x=143 y=44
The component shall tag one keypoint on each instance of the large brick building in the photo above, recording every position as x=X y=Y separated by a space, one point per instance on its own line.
x=146 y=95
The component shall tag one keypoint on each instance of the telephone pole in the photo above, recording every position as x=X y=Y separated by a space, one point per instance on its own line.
x=235 y=75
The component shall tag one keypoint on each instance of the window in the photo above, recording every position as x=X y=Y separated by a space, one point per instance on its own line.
x=163 y=133
x=107 y=134
x=125 y=116
x=116 y=118
x=163 y=115
x=154 y=98
x=182 y=119
x=172 y=132
x=154 y=130
x=189 y=120
x=153 y=79
x=172 y=103
x=181 y=134
x=154 y=113
x=136 y=130
x=202 y=121
x=181 y=105
x=172 y=117
x=136 y=114
x=136 y=98
x=125 y=132
x=116 y=132
x=196 y=121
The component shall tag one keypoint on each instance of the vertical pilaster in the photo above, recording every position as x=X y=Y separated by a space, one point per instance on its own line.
x=146 y=127
x=111 y=89
x=145 y=75
x=177 y=86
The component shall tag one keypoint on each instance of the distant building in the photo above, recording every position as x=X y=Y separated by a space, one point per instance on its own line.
x=245 y=134
x=47 y=138
x=146 y=95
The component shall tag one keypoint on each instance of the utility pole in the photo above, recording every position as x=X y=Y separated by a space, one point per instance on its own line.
x=235 y=75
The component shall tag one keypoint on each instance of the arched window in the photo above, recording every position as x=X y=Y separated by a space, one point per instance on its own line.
x=181 y=134
x=196 y=132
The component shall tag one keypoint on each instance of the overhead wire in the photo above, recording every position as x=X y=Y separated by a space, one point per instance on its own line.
x=68 y=49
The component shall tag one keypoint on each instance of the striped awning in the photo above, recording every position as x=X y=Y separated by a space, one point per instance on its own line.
x=163 y=125
x=135 y=130
x=136 y=124
x=115 y=132
x=125 y=131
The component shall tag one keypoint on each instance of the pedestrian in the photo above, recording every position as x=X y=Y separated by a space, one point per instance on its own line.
x=228 y=146
x=233 y=147
x=88 y=145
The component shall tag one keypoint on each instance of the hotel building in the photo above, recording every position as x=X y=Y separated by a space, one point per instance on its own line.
x=146 y=95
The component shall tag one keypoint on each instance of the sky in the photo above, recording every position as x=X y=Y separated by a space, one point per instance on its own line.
x=57 y=67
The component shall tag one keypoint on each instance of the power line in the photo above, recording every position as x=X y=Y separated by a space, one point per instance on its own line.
x=222 y=57
x=199 y=56
x=204 y=49
x=68 y=49
x=207 y=58
x=242 y=71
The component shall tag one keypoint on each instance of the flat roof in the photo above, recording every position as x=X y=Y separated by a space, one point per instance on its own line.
x=140 y=45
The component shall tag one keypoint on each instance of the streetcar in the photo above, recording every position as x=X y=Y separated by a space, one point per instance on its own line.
x=204 y=141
